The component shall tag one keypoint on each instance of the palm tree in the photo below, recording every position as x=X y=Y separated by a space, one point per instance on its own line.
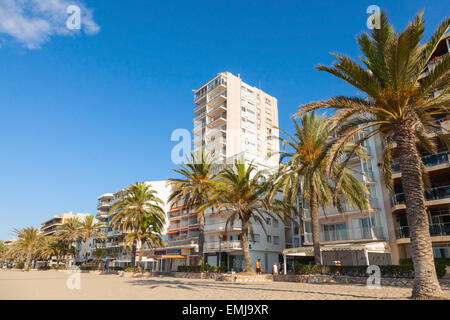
x=98 y=253
x=399 y=105
x=307 y=178
x=241 y=190
x=138 y=201
x=3 y=250
x=70 y=232
x=148 y=232
x=28 y=239
x=89 y=229
x=193 y=188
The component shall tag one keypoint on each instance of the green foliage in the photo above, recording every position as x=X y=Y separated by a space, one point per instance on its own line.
x=116 y=268
x=409 y=262
x=304 y=269
x=131 y=269
x=88 y=267
x=203 y=268
x=388 y=271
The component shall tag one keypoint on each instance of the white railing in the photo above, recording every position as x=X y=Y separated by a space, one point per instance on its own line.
x=220 y=227
x=369 y=233
x=224 y=245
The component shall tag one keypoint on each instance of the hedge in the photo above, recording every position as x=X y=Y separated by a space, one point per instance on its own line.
x=409 y=262
x=131 y=269
x=88 y=267
x=388 y=271
x=203 y=268
x=116 y=268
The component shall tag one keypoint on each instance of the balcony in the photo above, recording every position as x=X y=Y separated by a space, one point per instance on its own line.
x=348 y=234
x=220 y=227
x=217 y=99
x=198 y=141
x=113 y=244
x=434 y=194
x=199 y=127
x=430 y=160
x=217 y=84
x=436 y=230
x=332 y=211
x=200 y=109
x=224 y=245
x=212 y=112
x=182 y=242
x=217 y=120
x=104 y=204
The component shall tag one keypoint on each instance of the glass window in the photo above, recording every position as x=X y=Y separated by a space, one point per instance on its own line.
x=269 y=239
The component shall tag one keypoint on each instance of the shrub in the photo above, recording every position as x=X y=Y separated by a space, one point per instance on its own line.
x=131 y=269
x=409 y=262
x=203 y=268
x=88 y=267
x=116 y=268
x=20 y=265
x=310 y=269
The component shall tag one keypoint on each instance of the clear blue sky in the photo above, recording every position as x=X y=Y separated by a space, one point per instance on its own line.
x=88 y=114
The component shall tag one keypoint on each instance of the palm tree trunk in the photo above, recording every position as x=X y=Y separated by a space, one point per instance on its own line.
x=426 y=284
x=201 y=239
x=133 y=254
x=141 y=250
x=85 y=250
x=314 y=208
x=28 y=263
x=248 y=265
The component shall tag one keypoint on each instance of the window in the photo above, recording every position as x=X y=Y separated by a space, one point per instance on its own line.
x=276 y=240
x=275 y=223
x=268 y=221
x=269 y=239
x=256 y=238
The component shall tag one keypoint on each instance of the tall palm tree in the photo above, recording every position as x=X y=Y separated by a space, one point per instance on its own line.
x=241 y=190
x=306 y=177
x=138 y=201
x=148 y=232
x=70 y=232
x=192 y=189
x=90 y=229
x=3 y=250
x=399 y=105
x=28 y=238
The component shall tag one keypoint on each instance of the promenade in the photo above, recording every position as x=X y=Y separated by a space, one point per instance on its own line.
x=52 y=285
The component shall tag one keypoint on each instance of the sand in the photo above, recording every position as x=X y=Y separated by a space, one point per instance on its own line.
x=53 y=285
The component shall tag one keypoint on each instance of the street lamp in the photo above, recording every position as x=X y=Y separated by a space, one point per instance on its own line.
x=220 y=249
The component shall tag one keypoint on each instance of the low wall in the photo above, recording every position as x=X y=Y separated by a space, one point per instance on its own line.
x=396 y=282
x=245 y=278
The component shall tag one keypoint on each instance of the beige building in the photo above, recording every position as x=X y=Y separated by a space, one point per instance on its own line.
x=50 y=226
x=233 y=117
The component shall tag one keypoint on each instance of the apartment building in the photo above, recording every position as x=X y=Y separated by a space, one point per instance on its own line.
x=233 y=121
x=115 y=251
x=438 y=197
x=234 y=117
x=49 y=228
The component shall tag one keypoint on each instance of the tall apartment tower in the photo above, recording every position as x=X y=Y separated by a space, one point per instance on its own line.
x=233 y=121
x=233 y=117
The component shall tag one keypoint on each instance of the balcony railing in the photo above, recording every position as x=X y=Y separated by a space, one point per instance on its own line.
x=439 y=229
x=220 y=227
x=224 y=245
x=429 y=161
x=434 y=194
x=182 y=242
x=369 y=233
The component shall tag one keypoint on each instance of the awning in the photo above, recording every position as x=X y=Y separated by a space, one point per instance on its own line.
x=380 y=247
x=172 y=256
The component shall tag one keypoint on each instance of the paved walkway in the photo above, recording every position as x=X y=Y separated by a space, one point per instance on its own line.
x=52 y=285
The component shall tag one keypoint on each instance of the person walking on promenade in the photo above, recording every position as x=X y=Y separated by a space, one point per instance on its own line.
x=258 y=266
x=275 y=268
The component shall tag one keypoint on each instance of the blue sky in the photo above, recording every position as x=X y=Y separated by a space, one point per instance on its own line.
x=93 y=112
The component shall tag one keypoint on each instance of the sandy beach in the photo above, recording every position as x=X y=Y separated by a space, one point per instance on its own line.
x=53 y=285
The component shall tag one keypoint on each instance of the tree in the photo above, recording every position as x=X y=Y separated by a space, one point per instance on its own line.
x=400 y=105
x=241 y=190
x=138 y=201
x=28 y=238
x=70 y=232
x=193 y=188
x=98 y=253
x=3 y=251
x=89 y=229
x=307 y=178
x=148 y=232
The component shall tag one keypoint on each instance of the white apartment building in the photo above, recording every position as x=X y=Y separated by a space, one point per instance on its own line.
x=115 y=252
x=50 y=227
x=233 y=120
